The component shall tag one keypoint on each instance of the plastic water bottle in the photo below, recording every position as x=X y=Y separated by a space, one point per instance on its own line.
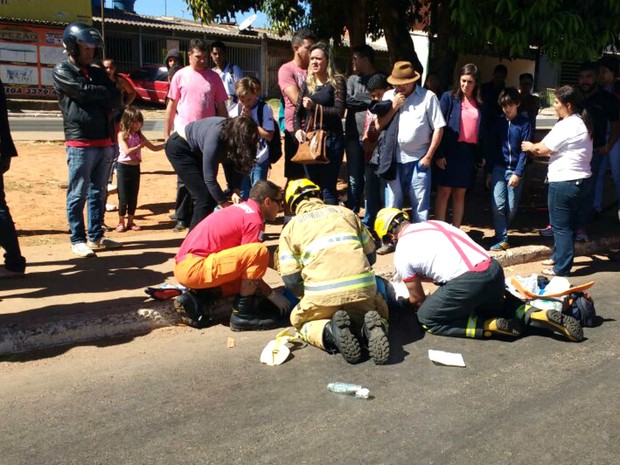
x=349 y=389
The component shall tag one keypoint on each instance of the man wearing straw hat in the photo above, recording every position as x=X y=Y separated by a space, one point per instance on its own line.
x=420 y=123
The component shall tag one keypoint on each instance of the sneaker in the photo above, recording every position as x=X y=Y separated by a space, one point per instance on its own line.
x=104 y=243
x=581 y=235
x=5 y=273
x=502 y=327
x=500 y=246
x=558 y=322
x=82 y=250
x=546 y=232
x=337 y=337
x=112 y=188
x=386 y=249
x=374 y=332
x=618 y=214
x=110 y=207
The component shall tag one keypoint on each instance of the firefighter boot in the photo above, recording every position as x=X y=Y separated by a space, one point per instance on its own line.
x=249 y=315
x=502 y=327
x=555 y=321
x=337 y=337
x=374 y=332
x=191 y=309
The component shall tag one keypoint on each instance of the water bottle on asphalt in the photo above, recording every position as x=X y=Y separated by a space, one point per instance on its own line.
x=349 y=389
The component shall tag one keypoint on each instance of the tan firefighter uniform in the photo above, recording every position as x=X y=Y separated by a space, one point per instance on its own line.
x=327 y=245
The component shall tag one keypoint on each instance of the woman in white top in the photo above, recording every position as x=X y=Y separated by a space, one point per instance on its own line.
x=569 y=145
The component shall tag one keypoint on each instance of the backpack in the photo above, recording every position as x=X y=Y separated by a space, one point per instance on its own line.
x=275 y=145
x=580 y=306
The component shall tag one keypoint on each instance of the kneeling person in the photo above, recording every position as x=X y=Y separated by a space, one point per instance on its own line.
x=224 y=256
x=325 y=258
x=470 y=299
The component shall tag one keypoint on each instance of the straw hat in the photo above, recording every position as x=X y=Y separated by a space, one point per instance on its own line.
x=403 y=73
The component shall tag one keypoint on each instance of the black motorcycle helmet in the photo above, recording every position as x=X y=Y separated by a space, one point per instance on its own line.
x=76 y=33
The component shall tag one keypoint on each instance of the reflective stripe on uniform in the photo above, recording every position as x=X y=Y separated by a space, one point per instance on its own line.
x=325 y=242
x=287 y=258
x=472 y=321
x=341 y=284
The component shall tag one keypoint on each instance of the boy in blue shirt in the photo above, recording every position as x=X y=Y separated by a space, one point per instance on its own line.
x=505 y=164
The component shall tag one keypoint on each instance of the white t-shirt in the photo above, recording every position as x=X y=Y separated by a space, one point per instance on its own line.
x=436 y=250
x=267 y=124
x=229 y=76
x=571 y=150
x=419 y=117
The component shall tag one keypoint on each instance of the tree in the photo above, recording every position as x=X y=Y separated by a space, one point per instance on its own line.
x=560 y=29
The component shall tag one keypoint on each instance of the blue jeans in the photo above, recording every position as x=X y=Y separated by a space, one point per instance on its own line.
x=355 y=167
x=565 y=200
x=326 y=176
x=13 y=259
x=88 y=178
x=414 y=181
x=257 y=173
x=505 y=201
x=375 y=193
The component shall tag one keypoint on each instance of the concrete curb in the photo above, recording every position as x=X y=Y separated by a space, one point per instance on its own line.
x=77 y=329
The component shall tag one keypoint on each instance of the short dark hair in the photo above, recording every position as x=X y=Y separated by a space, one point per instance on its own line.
x=265 y=190
x=609 y=62
x=218 y=44
x=377 y=81
x=526 y=76
x=365 y=51
x=588 y=66
x=301 y=35
x=197 y=44
x=509 y=96
x=501 y=69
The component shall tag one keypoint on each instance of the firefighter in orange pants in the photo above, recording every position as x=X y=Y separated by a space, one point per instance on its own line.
x=224 y=256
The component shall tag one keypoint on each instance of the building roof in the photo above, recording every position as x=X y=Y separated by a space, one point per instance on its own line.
x=115 y=16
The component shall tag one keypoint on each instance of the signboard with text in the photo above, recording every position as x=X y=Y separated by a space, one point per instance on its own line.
x=48 y=10
x=28 y=55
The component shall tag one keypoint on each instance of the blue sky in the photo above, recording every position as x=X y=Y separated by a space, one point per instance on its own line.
x=179 y=9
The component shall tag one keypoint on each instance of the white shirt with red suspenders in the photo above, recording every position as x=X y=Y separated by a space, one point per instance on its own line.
x=438 y=251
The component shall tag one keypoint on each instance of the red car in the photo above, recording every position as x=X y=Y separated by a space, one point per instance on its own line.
x=150 y=82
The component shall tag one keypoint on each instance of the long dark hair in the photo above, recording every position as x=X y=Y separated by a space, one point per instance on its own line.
x=569 y=95
x=240 y=137
x=468 y=70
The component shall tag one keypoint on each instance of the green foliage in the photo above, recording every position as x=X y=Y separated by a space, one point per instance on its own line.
x=561 y=29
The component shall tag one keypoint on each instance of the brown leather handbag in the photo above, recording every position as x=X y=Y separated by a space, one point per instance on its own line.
x=313 y=151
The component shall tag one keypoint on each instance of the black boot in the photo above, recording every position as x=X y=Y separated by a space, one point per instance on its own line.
x=337 y=337
x=249 y=314
x=191 y=309
x=374 y=332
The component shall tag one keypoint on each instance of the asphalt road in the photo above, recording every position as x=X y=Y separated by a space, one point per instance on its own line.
x=180 y=396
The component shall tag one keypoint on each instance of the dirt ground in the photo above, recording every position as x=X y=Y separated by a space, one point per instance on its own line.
x=35 y=188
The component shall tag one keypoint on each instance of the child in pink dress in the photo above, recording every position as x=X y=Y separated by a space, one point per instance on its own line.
x=130 y=143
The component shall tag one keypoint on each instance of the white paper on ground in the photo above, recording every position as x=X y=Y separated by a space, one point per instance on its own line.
x=446 y=358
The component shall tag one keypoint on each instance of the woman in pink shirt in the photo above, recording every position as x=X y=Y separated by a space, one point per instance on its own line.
x=459 y=147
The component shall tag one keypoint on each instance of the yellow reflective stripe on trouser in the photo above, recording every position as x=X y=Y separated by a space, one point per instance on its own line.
x=342 y=284
x=470 y=331
x=521 y=310
x=312 y=333
x=324 y=242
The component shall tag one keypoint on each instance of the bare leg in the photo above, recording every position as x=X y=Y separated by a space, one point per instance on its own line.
x=441 y=202
x=458 y=206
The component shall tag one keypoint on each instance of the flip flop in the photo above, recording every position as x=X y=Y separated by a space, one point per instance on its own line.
x=134 y=227
x=121 y=228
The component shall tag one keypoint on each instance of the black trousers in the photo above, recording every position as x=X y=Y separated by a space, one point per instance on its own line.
x=188 y=166
x=128 y=182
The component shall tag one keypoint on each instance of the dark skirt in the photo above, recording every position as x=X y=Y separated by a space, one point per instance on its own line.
x=459 y=171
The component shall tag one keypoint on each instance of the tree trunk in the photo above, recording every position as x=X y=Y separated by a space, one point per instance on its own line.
x=399 y=42
x=443 y=59
x=356 y=22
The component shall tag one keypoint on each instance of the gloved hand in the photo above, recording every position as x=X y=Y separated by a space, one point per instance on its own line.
x=279 y=301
